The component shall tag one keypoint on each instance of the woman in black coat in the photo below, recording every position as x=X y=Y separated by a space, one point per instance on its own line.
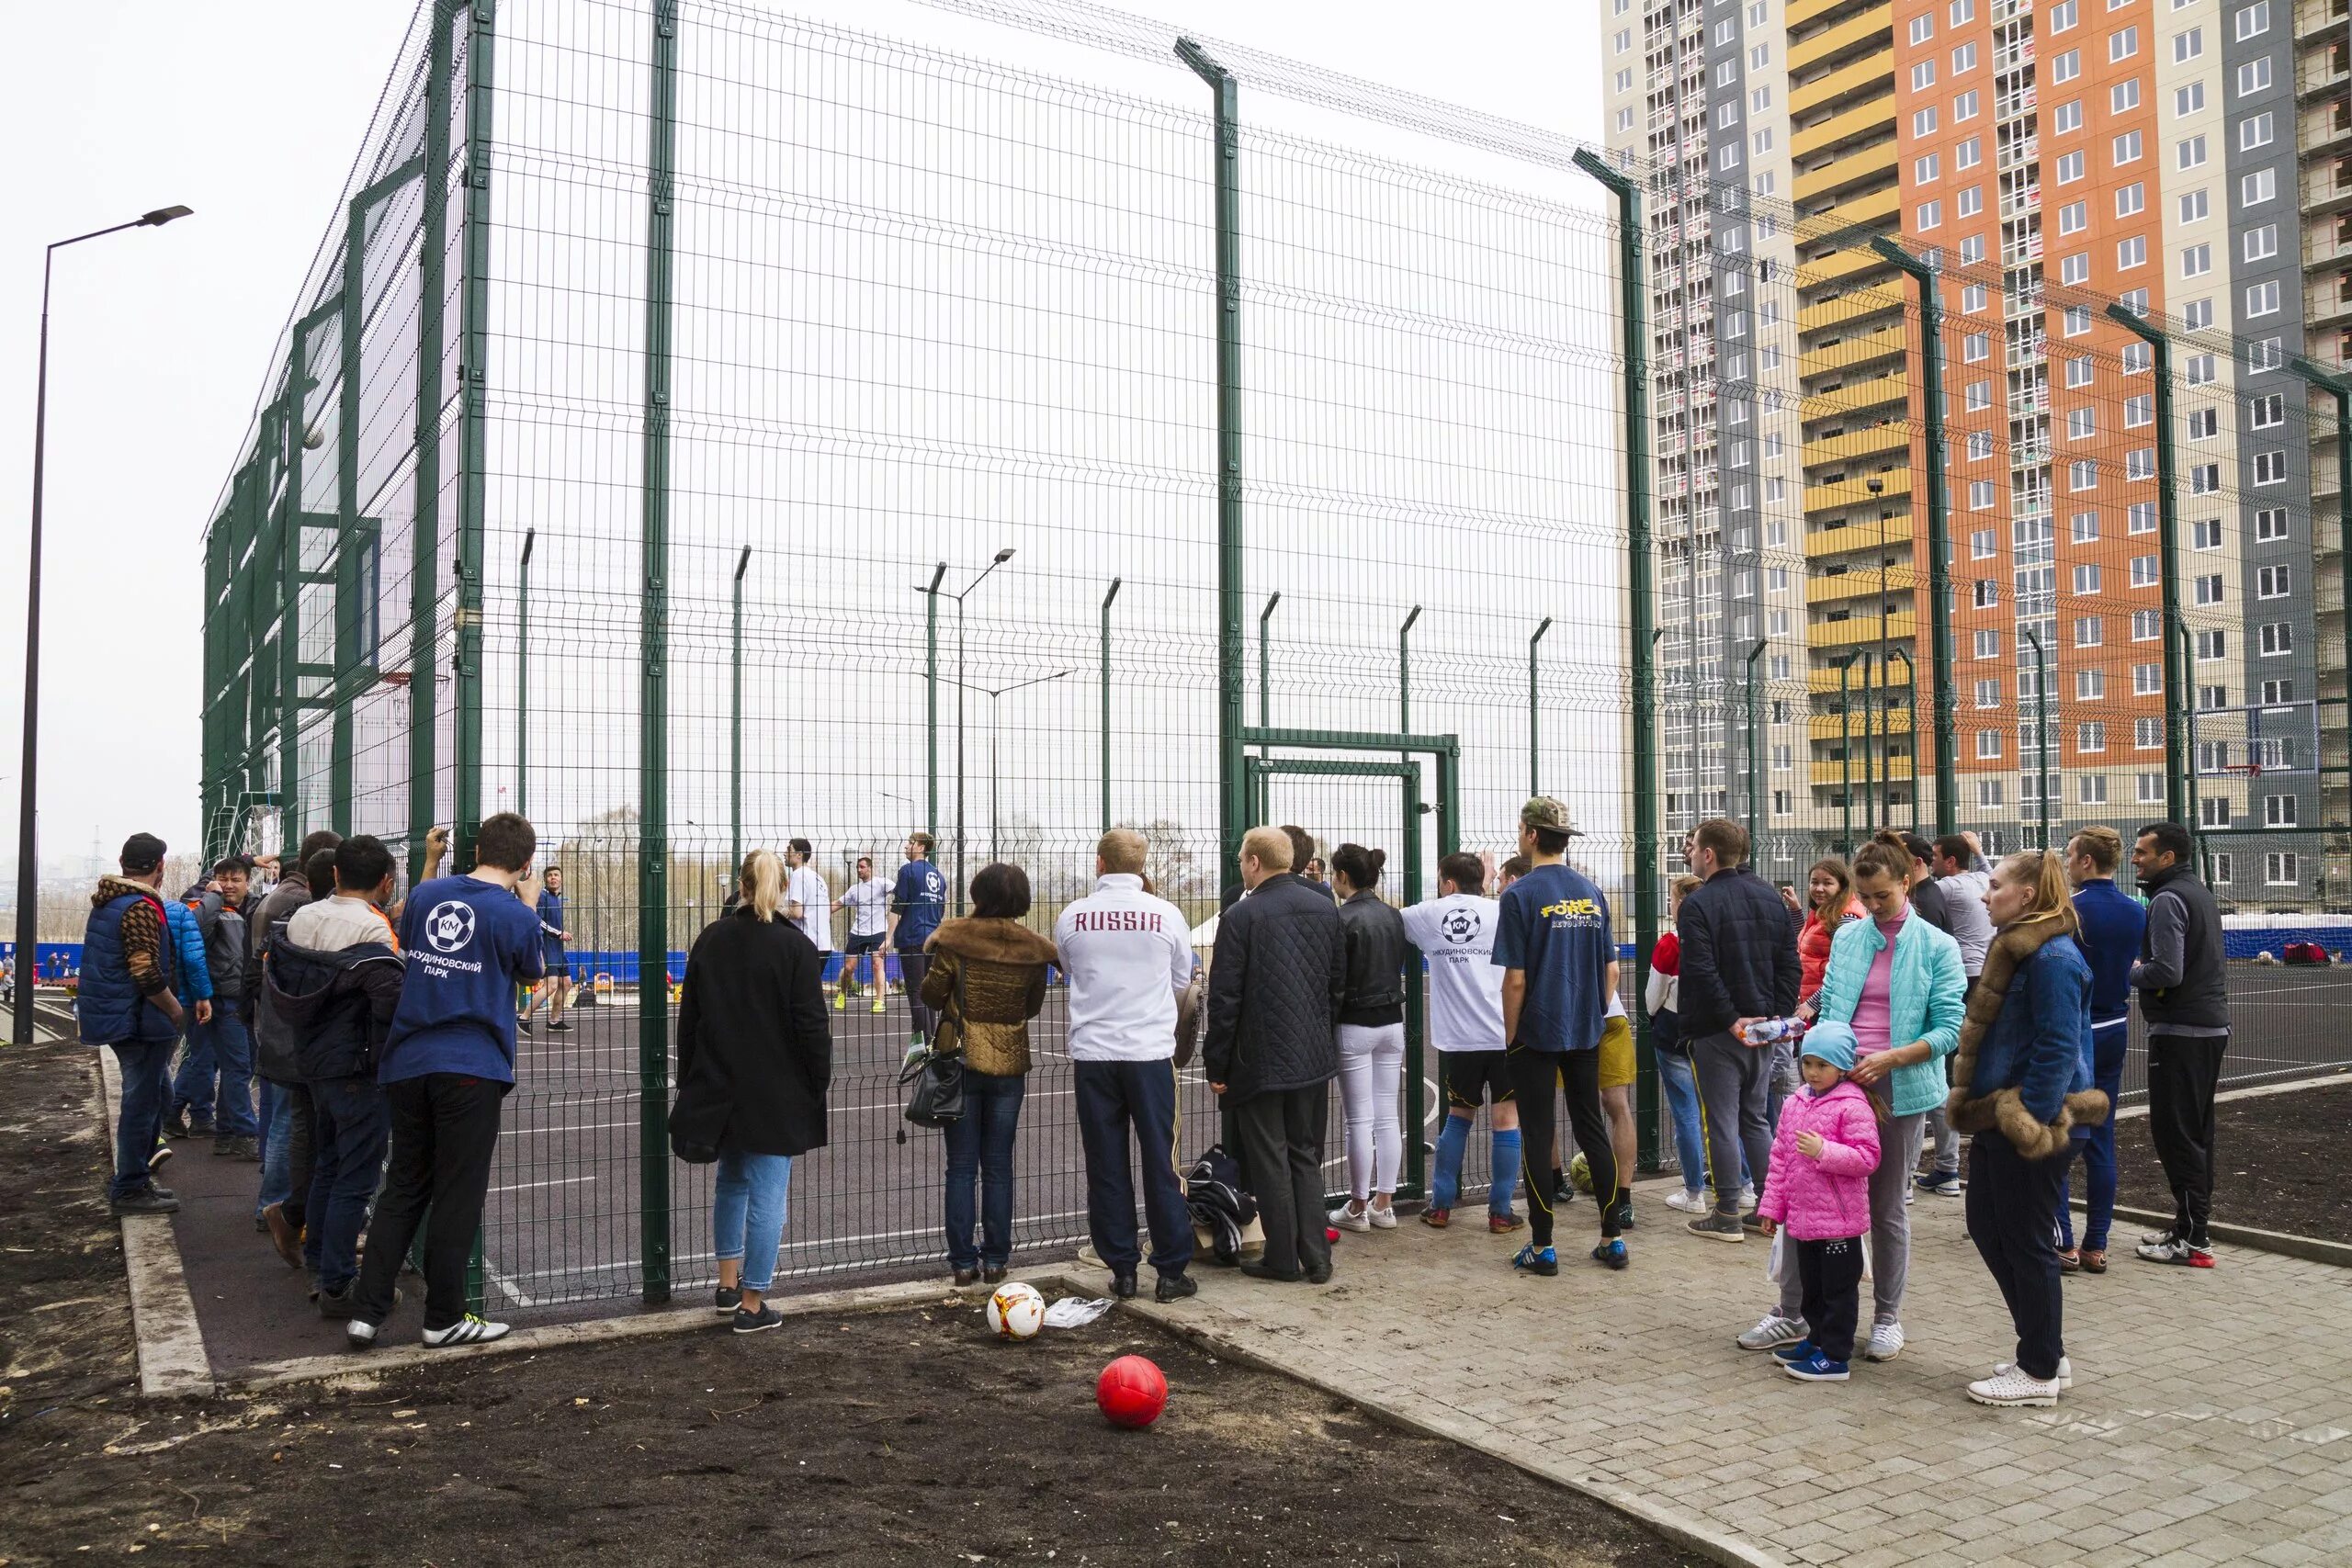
x=755 y=1056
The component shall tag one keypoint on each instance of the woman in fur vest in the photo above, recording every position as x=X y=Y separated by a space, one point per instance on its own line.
x=987 y=980
x=2021 y=1084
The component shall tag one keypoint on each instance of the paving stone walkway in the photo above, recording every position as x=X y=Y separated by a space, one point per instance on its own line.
x=2210 y=1419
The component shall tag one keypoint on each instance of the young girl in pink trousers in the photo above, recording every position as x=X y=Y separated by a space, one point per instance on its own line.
x=1819 y=1189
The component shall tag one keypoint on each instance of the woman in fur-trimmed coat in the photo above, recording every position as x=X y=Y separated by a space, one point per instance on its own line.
x=2021 y=1083
x=987 y=980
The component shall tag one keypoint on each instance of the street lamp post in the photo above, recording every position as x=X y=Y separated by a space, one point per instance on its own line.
x=1107 y=597
x=1002 y=557
x=28 y=856
x=995 y=738
x=735 y=717
x=523 y=675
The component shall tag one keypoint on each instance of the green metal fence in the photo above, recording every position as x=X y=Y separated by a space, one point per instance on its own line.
x=707 y=426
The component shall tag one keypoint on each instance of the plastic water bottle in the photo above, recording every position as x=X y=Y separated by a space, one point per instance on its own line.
x=1773 y=1030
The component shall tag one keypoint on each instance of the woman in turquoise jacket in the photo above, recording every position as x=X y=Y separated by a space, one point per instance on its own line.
x=1897 y=982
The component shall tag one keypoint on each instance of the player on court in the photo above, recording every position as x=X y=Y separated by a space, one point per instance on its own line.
x=916 y=905
x=808 y=902
x=1455 y=931
x=555 y=988
x=868 y=902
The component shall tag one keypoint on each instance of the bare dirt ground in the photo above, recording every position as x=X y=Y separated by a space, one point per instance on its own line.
x=2277 y=1159
x=900 y=1437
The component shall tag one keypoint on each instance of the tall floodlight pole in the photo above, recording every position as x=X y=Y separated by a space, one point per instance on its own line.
x=2177 y=693
x=523 y=675
x=1107 y=597
x=28 y=771
x=735 y=720
x=1002 y=557
x=1534 y=672
x=1931 y=396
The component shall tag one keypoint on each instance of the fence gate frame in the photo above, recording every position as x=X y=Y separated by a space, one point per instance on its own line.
x=1258 y=773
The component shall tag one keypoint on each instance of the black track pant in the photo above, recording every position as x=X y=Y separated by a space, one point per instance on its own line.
x=445 y=1129
x=2183 y=1072
x=1537 y=1079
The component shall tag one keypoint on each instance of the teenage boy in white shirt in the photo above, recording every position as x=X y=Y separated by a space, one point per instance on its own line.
x=868 y=902
x=1455 y=931
x=1127 y=957
x=808 y=902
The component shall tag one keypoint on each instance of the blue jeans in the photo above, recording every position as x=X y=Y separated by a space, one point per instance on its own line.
x=225 y=1048
x=347 y=1162
x=2108 y=1043
x=276 y=1147
x=1681 y=1091
x=141 y=1122
x=979 y=1152
x=749 y=1204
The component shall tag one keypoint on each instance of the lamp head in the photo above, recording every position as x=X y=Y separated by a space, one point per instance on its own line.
x=163 y=215
x=1002 y=556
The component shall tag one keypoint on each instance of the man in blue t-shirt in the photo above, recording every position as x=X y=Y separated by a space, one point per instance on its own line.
x=1559 y=962
x=553 y=933
x=447 y=1061
x=916 y=905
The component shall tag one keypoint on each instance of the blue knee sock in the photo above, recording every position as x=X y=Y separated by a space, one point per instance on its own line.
x=1505 y=1160
x=1452 y=1143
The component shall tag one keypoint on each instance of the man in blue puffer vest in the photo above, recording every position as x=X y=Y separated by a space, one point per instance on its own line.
x=126 y=1004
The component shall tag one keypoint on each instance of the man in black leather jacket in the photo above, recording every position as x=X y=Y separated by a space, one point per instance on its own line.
x=1275 y=982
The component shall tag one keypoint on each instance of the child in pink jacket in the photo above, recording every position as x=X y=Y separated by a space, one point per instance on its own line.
x=1819 y=1188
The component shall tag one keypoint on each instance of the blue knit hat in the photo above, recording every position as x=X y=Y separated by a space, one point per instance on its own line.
x=1833 y=1042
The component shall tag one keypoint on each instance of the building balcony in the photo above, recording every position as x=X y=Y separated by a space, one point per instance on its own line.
x=1855 y=444
x=2313 y=17
x=1892 y=719
x=1870 y=120
x=1857 y=631
x=2320 y=72
x=1874 y=535
x=1875 y=26
x=1822 y=680
x=1854 y=397
x=2328 y=301
x=1845 y=262
x=1889 y=342
x=1881 y=206
x=1873 y=74
x=1884 y=770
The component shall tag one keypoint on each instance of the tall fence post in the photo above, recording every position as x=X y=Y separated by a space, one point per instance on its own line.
x=290 y=580
x=340 y=780
x=1870 y=761
x=735 y=720
x=931 y=703
x=1266 y=667
x=1633 y=282
x=1404 y=677
x=1911 y=723
x=523 y=675
x=653 y=742
x=1107 y=597
x=2040 y=727
x=1755 y=747
x=2177 y=695
x=2189 y=819
x=1846 y=749
x=1931 y=398
x=425 y=561
x=1233 y=805
x=1534 y=690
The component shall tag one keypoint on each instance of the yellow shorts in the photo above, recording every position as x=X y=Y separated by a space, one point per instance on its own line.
x=1616 y=1052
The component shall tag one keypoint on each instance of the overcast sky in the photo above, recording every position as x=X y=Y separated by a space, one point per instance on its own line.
x=251 y=115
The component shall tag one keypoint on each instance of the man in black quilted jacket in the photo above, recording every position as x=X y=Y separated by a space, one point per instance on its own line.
x=1739 y=963
x=1271 y=1051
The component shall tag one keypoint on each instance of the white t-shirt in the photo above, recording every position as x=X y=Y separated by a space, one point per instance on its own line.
x=868 y=903
x=1457 y=935
x=1125 y=954
x=806 y=887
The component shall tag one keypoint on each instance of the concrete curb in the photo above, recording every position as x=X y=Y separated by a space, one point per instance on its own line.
x=367 y=1366
x=172 y=1358
x=2310 y=1248
x=1678 y=1528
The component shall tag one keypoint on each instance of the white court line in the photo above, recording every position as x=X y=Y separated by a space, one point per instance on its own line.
x=505 y=1285
x=527 y=1186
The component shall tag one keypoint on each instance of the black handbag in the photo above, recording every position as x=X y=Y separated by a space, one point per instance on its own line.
x=936 y=1098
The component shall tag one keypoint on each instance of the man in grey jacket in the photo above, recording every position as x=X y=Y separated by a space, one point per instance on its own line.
x=2185 y=1001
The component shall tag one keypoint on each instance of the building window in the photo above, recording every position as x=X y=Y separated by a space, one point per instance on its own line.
x=1931 y=216
x=2269 y=468
x=2140 y=517
x=1922 y=29
x=2187 y=46
x=2197 y=314
x=2089 y=684
x=1988 y=645
x=1963 y=59
x=2122 y=45
x=2258 y=187
x=1759 y=57
x=2204 y=478
x=2078 y=320
x=2151 y=790
x=2196 y=261
x=2091 y=736
x=2188 y=100
x=1979 y=395
x=2124 y=95
x=2081 y=474
x=2127 y=149
x=2254 y=76
x=1970 y=202
x=1962 y=11
x=2064 y=68
x=2278 y=811
x=1964 y=106
x=2255 y=20
x=2192 y=152
x=2070 y=167
x=2147 y=625
x=2090 y=631
x=2148 y=681
x=2266 y=354
x=2074 y=217
x=2204 y=423
x=1979 y=495
x=2212 y=645
x=2140 y=463
x=2277 y=638
x=2270 y=523
x=2275 y=691
x=2131 y=253
x=1988 y=694
x=2084 y=529
x=2086 y=577
x=2205 y=533
x=1924 y=170
x=2223 y=873
x=2081 y=424
x=2148 y=734
x=2255 y=131
x=2075 y=269
x=2144 y=571
x=1983 y=544
x=2262 y=299
x=2091 y=789
x=1988 y=795
x=1988 y=594
x=1980 y=446
x=1988 y=745
x=2279 y=869
x=2267 y=409
x=2079 y=371
x=2209 y=588
x=1923 y=76
x=1974 y=345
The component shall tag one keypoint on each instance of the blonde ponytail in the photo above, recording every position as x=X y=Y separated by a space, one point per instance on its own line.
x=763 y=884
x=2044 y=871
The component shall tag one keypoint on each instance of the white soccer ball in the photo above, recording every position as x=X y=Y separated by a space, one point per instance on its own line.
x=1016 y=1311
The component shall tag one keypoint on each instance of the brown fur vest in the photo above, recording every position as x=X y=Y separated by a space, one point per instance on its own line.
x=2005 y=1109
x=988 y=980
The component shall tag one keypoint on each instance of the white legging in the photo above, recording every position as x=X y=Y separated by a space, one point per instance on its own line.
x=1372 y=1063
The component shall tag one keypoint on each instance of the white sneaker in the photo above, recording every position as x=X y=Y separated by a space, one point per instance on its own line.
x=1348 y=1217
x=2065 y=1372
x=1747 y=1196
x=1688 y=1203
x=1382 y=1219
x=467 y=1330
x=1772 y=1332
x=1886 y=1342
x=2012 y=1389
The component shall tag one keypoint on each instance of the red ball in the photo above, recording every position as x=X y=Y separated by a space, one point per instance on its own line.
x=1131 y=1392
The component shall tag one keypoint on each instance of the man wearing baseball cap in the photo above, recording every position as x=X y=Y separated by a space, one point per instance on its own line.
x=1558 y=956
